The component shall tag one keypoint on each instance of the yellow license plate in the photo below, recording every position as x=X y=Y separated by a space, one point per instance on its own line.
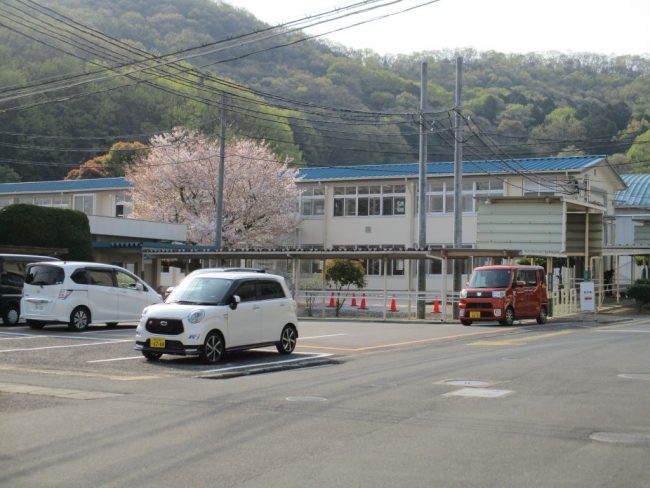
x=475 y=315
x=157 y=342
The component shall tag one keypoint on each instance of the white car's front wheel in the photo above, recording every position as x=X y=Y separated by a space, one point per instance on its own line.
x=288 y=340
x=213 y=348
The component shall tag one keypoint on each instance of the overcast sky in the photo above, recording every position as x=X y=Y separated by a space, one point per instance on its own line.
x=521 y=26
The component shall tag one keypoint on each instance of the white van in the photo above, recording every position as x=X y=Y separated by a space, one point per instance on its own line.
x=78 y=294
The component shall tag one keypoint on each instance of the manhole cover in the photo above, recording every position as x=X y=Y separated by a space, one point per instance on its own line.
x=635 y=376
x=621 y=438
x=467 y=383
x=306 y=399
x=479 y=393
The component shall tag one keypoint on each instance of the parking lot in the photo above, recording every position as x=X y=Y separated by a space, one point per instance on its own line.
x=104 y=352
x=353 y=397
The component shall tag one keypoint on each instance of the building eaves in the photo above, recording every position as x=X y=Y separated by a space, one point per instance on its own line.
x=65 y=186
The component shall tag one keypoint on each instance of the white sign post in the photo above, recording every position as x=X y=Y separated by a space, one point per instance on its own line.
x=587 y=297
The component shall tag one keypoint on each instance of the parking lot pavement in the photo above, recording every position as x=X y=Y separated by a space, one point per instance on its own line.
x=107 y=353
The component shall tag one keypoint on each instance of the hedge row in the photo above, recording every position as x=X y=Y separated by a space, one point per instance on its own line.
x=31 y=225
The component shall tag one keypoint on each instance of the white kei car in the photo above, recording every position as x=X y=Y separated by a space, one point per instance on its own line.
x=211 y=313
x=79 y=293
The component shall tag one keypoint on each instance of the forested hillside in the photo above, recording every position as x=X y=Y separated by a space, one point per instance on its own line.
x=81 y=75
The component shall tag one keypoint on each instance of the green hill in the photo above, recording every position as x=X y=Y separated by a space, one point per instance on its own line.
x=60 y=105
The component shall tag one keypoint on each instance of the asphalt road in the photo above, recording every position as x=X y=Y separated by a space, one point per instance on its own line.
x=359 y=404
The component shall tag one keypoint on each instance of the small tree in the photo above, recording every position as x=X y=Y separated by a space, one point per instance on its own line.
x=310 y=285
x=342 y=274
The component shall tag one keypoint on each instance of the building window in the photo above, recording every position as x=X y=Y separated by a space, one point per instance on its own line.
x=541 y=187
x=310 y=266
x=84 y=203
x=375 y=267
x=440 y=194
x=54 y=202
x=370 y=200
x=312 y=202
x=123 y=205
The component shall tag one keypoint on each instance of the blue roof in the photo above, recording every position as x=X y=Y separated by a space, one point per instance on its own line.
x=637 y=193
x=486 y=167
x=92 y=184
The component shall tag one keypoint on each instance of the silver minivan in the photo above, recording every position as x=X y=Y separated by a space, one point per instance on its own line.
x=79 y=293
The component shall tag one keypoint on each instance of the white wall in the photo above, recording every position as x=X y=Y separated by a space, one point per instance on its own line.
x=142 y=229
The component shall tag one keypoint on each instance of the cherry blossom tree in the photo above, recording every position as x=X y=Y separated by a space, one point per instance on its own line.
x=177 y=182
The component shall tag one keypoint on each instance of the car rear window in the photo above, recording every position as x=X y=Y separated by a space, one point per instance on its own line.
x=42 y=274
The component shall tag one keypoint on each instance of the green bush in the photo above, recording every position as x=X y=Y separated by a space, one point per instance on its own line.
x=640 y=292
x=31 y=225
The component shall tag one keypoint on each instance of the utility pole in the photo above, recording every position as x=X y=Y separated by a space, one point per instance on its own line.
x=458 y=182
x=422 y=188
x=222 y=157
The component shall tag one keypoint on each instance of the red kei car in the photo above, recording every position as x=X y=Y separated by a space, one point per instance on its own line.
x=504 y=293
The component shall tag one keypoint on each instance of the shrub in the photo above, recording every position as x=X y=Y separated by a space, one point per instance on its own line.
x=31 y=225
x=640 y=292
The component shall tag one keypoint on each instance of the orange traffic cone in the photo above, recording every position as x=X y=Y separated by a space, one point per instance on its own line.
x=393 y=305
x=354 y=300
x=332 y=305
x=436 y=305
x=363 y=302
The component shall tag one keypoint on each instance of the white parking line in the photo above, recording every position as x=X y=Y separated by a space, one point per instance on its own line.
x=273 y=363
x=114 y=359
x=624 y=330
x=62 y=347
x=21 y=337
x=320 y=336
x=15 y=334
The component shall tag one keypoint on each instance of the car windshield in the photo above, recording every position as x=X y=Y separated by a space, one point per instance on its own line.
x=490 y=278
x=200 y=290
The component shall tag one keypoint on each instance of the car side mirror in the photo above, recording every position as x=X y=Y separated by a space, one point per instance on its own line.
x=521 y=283
x=234 y=301
x=139 y=286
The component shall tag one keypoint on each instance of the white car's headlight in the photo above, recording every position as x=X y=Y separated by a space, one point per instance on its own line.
x=463 y=293
x=499 y=294
x=196 y=316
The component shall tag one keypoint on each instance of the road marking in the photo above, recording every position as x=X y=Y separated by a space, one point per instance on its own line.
x=520 y=341
x=23 y=349
x=320 y=337
x=22 y=337
x=479 y=393
x=271 y=363
x=80 y=374
x=114 y=359
x=56 y=392
x=625 y=330
x=406 y=343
